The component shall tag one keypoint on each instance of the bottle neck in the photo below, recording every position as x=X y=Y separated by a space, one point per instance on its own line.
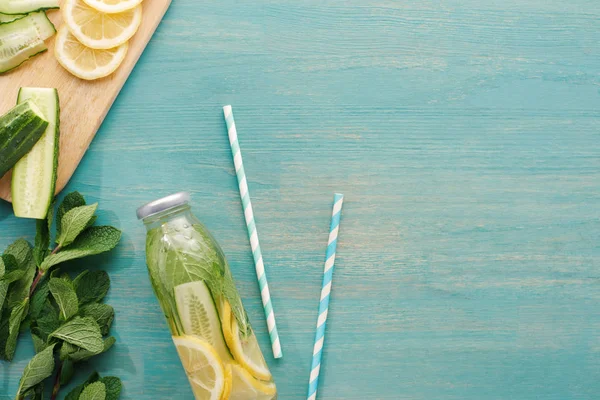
x=180 y=213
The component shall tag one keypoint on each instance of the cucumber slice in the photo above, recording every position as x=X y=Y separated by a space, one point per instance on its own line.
x=6 y=18
x=22 y=39
x=20 y=129
x=26 y=6
x=199 y=317
x=34 y=176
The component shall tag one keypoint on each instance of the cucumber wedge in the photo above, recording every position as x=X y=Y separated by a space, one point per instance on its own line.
x=34 y=176
x=22 y=39
x=20 y=129
x=26 y=6
x=6 y=18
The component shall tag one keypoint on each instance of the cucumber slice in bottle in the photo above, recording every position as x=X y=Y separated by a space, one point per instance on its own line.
x=26 y=6
x=22 y=39
x=6 y=18
x=20 y=129
x=199 y=316
x=34 y=176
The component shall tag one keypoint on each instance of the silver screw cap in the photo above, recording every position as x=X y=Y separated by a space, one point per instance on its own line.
x=162 y=204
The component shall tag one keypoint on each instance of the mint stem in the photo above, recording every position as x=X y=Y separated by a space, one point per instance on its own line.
x=37 y=279
x=56 y=249
x=56 y=387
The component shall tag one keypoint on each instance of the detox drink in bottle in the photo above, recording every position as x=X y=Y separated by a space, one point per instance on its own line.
x=195 y=289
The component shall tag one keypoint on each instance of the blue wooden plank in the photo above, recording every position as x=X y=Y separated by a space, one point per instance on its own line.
x=464 y=135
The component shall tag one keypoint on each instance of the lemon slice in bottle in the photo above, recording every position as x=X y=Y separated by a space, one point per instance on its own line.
x=245 y=350
x=199 y=317
x=98 y=30
x=112 y=6
x=228 y=382
x=203 y=367
x=83 y=62
x=245 y=386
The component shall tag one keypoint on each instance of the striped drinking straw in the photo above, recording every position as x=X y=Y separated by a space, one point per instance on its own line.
x=252 y=232
x=338 y=200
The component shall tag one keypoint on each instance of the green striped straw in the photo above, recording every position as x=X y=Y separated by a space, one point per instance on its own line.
x=252 y=232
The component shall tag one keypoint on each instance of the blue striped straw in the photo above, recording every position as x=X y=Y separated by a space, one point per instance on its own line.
x=252 y=232
x=338 y=200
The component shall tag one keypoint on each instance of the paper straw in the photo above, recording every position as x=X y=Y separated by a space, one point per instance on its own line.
x=252 y=233
x=338 y=200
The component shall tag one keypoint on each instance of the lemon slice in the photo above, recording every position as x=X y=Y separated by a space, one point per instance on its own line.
x=112 y=6
x=83 y=62
x=245 y=386
x=228 y=383
x=203 y=367
x=246 y=351
x=98 y=30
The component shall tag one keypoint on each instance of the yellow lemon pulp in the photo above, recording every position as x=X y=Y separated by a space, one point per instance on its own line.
x=202 y=366
x=84 y=62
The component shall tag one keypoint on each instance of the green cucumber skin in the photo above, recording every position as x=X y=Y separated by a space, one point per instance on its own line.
x=21 y=23
x=6 y=8
x=55 y=155
x=29 y=12
x=20 y=129
x=15 y=17
x=23 y=62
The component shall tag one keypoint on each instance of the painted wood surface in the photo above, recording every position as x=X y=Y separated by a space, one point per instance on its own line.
x=465 y=137
x=84 y=104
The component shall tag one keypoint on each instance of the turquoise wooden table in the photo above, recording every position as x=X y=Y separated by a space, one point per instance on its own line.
x=465 y=137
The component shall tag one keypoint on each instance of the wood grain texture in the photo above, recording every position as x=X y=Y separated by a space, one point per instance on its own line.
x=84 y=104
x=465 y=137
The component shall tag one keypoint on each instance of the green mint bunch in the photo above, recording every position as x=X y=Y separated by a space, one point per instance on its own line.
x=67 y=319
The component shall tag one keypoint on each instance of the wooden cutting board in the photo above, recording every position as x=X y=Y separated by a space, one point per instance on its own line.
x=83 y=104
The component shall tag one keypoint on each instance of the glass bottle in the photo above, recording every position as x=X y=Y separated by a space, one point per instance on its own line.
x=204 y=312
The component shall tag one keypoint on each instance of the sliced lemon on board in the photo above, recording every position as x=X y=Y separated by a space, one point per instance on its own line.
x=83 y=62
x=199 y=317
x=202 y=366
x=98 y=30
x=112 y=6
x=245 y=350
x=245 y=386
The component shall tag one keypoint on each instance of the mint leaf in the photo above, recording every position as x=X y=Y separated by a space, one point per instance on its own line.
x=20 y=250
x=91 y=286
x=113 y=387
x=17 y=315
x=72 y=200
x=3 y=292
x=48 y=321
x=42 y=239
x=74 y=394
x=39 y=368
x=4 y=332
x=66 y=299
x=23 y=257
x=92 y=221
x=35 y=393
x=66 y=372
x=76 y=354
x=103 y=314
x=94 y=391
x=39 y=299
x=39 y=344
x=13 y=276
x=81 y=332
x=94 y=240
x=74 y=222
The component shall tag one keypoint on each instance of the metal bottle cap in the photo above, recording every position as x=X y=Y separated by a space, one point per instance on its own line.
x=162 y=204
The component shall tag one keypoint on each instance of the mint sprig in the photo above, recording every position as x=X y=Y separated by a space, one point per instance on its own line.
x=66 y=317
